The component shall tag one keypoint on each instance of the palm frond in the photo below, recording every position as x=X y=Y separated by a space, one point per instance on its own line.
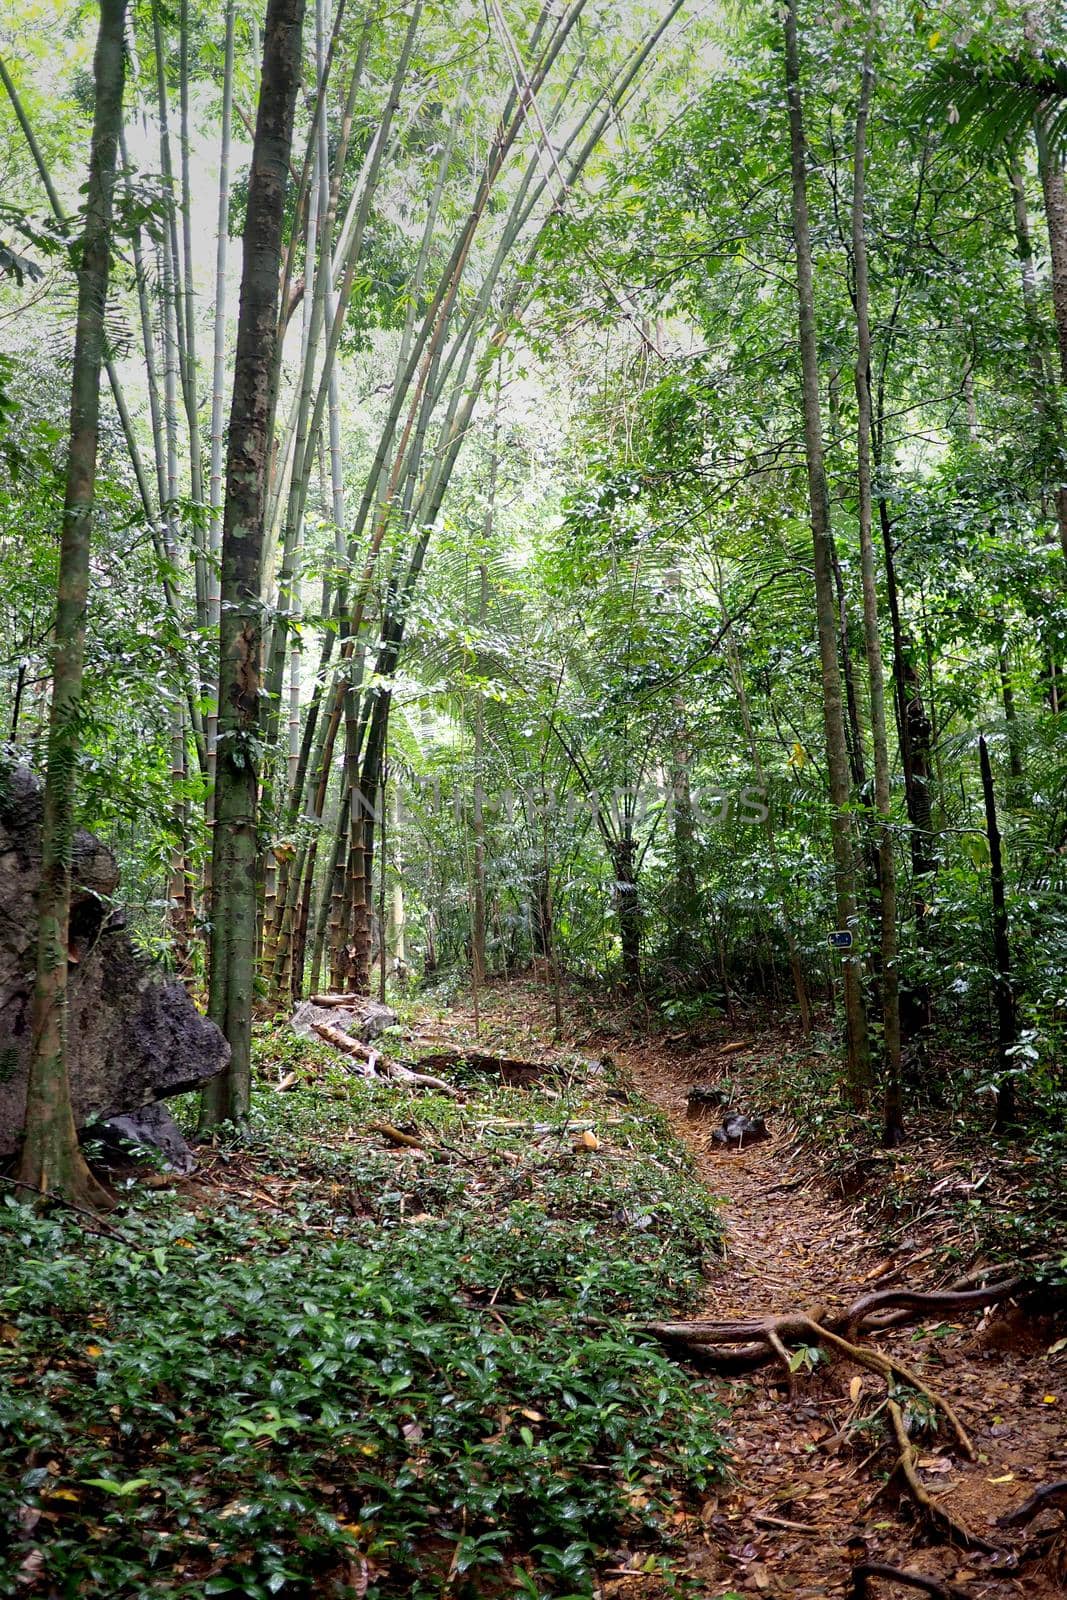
x=992 y=109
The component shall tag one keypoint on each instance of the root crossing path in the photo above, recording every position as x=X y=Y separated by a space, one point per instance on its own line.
x=821 y=1486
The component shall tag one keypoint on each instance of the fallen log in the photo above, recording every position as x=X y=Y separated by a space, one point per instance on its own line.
x=372 y=1064
x=513 y=1072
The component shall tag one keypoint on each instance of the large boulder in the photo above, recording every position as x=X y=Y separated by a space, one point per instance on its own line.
x=133 y=1037
x=365 y=1020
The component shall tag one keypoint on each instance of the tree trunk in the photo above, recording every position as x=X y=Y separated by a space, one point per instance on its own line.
x=627 y=905
x=383 y=877
x=859 y=1070
x=235 y=839
x=218 y=381
x=478 y=812
x=1054 y=191
x=394 y=924
x=51 y=1157
x=686 y=911
x=887 y=880
x=737 y=676
x=1007 y=1025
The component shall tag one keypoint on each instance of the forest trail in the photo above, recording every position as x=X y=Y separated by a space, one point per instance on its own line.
x=805 y=1507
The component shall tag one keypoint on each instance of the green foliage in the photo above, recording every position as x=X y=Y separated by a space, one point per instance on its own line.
x=389 y=1370
x=992 y=105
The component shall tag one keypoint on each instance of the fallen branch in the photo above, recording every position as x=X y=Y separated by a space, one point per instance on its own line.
x=375 y=1065
x=763 y=1520
x=862 y=1577
x=394 y=1135
x=402 y=1074
x=347 y=1045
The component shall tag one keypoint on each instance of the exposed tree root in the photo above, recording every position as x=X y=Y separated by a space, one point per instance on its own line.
x=752 y=1342
x=928 y=1506
x=863 y=1576
x=901 y=1304
x=909 y=1300
x=762 y=1339
x=1050 y=1495
x=707 y=1338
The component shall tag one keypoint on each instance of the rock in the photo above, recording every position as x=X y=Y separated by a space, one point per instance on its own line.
x=364 y=1020
x=703 y=1100
x=153 y=1128
x=133 y=1037
x=372 y=1019
x=739 y=1131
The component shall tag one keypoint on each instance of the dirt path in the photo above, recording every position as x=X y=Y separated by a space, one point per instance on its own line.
x=807 y=1502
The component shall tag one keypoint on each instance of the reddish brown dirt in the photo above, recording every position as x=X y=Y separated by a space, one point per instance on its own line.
x=791 y=1248
x=808 y=1498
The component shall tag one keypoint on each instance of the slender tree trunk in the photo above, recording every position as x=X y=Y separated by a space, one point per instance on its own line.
x=859 y=1068
x=478 y=810
x=547 y=916
x=887 y=872
x=383 y=877
x=235 y=848
x=51 y=1157
x=686 y=911
x=627 y=905
x=218 y=388
x=326 y=937
x=1007 y=1022
x=1054 y=191
x=394 y=927
x=1048 y=403
x=188 y=302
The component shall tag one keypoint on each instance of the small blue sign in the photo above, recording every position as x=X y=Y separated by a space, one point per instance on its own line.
x=841 y=940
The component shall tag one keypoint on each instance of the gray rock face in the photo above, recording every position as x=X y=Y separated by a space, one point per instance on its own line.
x=133 y=1038
x=373 y=1019
x=153 y=1128
x=365 y=1020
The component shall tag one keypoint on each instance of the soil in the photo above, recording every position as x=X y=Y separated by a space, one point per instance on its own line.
x=788 y=1248
x=810 y=1496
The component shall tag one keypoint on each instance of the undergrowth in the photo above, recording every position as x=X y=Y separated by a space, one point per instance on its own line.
x=332 y=1368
